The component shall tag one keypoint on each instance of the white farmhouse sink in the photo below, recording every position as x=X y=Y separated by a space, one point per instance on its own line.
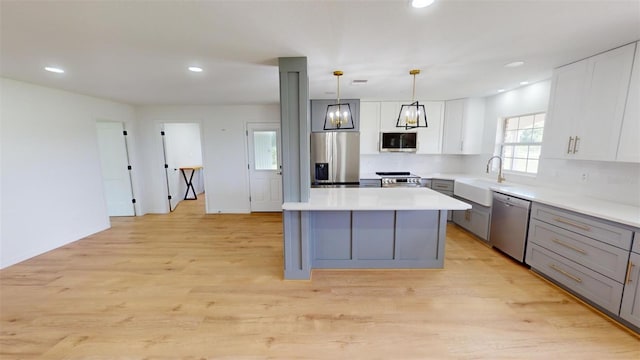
x=476 y=190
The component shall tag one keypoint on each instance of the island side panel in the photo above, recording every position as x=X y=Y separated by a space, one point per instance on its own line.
x=331 y=235
x=297 y=247
x=424 y=235
x=417 y=235
x=373 y=235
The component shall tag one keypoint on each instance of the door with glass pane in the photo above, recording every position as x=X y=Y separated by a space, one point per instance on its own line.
x=265 y=169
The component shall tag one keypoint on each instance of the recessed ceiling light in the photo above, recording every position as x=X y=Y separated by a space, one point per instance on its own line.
x=421 y=3
x=524 y=83
x=54 y=69
x=500 y=90
x=514 y=64
x=195 y=69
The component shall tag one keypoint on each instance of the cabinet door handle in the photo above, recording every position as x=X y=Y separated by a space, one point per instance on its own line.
x=575 y=145
x=628 y=277
x=572 y=277
x=569 y=146
x=467 y=215
x=567 y=222
x=568 y=246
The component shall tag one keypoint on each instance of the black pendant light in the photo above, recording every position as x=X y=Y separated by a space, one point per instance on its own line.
x=338 y=115
x=412 y=115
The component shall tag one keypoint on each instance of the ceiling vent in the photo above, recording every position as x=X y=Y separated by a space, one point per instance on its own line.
x=359 y=82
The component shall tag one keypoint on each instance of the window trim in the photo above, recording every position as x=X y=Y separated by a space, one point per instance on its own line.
x=500 y=143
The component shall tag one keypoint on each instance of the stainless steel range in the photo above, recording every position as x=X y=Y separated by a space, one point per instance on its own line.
x=399 y=179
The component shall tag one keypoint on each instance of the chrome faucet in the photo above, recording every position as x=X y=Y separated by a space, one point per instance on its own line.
x=500 y=177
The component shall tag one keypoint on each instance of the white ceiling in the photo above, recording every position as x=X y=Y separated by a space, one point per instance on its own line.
x=138 y=52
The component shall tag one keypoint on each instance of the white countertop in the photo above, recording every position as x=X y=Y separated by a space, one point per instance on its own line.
x=376 y=199
x=608 y=210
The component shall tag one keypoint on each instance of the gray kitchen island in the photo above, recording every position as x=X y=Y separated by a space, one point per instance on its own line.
x=366 y=228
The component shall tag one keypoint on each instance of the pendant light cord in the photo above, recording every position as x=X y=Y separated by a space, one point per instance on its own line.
x=413 y=96
x=338 y=78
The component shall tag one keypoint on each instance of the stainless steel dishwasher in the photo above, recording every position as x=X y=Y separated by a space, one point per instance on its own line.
x=509 y=225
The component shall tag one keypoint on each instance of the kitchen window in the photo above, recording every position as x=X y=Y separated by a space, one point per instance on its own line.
x=521 y=142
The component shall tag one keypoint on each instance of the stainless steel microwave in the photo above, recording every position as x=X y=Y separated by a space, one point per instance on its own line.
x=398 y=141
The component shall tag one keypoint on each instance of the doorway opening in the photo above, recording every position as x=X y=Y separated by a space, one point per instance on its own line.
x=182 y=152
x=116 y=168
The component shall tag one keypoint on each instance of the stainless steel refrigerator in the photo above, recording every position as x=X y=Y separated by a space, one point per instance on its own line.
x=335 y=158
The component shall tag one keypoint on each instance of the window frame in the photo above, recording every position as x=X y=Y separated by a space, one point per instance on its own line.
x=500 y=142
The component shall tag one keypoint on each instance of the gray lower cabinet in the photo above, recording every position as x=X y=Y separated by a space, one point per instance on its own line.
x=636 y=243
x=594 y=287
x=370 y=183
x=588 y=256
x=476 y=220
x=601 y=257
x=377 y=239
x=630 y=309
x=444 y=187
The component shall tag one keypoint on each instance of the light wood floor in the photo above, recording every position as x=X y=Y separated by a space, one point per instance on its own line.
x=195 y=286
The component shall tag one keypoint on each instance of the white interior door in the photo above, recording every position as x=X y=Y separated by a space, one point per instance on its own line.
x=115 y=172
x=265 y=169
x=171 y=170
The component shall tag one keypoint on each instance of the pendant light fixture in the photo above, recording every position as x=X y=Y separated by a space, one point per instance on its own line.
x=338 y=115
x=412 y=115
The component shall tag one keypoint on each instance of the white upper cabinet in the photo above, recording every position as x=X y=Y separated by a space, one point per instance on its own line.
x=629 y=145
x=587 y=106
x=463 y=126
x=389 y=111
x=567 y=92
x=382 y=116
x=369 y=127
x=430 y=138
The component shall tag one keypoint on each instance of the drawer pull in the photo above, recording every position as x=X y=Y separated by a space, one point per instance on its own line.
x=567 y=222
x=442 y=186
x=568 y=246
x=569 y=145
x=628 y=277
x=572 y=277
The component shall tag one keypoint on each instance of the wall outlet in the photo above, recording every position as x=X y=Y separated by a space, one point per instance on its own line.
x=584 y=177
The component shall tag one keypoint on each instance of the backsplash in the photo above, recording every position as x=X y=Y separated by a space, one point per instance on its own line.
x=613 y=181
x=412 y=162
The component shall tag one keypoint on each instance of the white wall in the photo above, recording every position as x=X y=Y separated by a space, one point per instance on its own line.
x=224 y=151
x=184 y=147
x=51 y=187
x=619 y=182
